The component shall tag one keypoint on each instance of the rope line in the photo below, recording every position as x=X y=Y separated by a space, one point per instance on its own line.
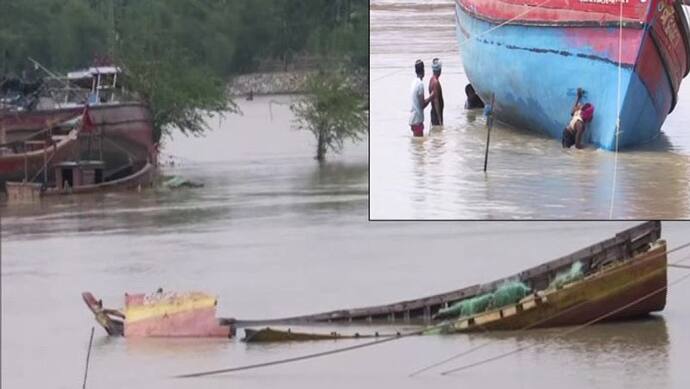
x=302 y=357
x=618 y=109
x=478 y=347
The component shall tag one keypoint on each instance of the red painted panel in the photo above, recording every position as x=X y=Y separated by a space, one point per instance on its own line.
x=560 y=11
x=652 y=73
x=36 y=120
x=667 y=25
x=604 y=42
x=196 y=323
x=668 y=32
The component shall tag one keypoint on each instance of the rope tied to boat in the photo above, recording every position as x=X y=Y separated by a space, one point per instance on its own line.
x=303 y=357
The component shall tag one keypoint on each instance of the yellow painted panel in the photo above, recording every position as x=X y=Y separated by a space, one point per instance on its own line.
x=168 y=306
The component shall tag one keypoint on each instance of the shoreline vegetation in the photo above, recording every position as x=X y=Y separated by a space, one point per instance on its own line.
x=183 y=57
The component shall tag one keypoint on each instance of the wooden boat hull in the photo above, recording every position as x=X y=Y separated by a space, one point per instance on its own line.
x=29 y=192
x=190 y=314
x=272 y=335
x=127 y=130
x=534 y=64
x=14 y=166
x=112 y=326
x=624 y=247
x=266 y=335
x=630 y=289
x=140 y=179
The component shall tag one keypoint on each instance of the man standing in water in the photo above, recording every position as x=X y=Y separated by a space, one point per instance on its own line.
x=581 y=114
x=435 y=90
x=418 y=100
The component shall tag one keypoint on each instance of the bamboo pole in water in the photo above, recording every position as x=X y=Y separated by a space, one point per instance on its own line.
x=88 y=356
x=489 y=124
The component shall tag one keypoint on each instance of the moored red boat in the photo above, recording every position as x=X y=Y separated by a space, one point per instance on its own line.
x=29 y=163
x=126 y=128
x=123 y=124
x=532 y=55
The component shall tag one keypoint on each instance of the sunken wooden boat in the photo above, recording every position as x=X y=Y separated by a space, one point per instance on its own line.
x=191 y=314
x=619 y=290
x=624 y=275
x=268 y=334
x=618 y=278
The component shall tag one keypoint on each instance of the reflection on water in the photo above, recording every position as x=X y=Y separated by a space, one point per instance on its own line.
x=529 y=175
x=642 y=340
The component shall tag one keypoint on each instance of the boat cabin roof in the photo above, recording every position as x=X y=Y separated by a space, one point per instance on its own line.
x=93 y=71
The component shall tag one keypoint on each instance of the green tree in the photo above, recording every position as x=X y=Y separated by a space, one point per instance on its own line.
x=168 y=69
x=333 y=110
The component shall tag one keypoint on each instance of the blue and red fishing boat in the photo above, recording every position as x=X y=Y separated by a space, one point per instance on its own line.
x=532 y=55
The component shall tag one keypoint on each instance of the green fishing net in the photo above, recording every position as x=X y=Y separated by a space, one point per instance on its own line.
x=575 y=273
x=467 y=307
x=510 y=293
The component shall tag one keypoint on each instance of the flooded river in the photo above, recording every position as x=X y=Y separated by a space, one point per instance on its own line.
x=274 y=234
x=529 y=175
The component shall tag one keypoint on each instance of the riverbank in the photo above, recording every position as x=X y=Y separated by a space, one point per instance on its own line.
x=281 y=83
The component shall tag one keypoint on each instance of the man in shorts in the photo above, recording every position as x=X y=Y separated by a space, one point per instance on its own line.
x=418 y=100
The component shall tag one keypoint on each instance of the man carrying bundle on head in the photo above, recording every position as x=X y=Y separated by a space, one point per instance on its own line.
x=418 y=100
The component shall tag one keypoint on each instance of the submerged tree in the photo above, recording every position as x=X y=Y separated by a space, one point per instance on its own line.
x=333 y=110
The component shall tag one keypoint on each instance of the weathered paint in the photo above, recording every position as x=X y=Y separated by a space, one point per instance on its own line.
x=622 y=247
x=534 y=65
x=597 y=295
x=14 y=167
x=127 y=128
x=173 y=315
x=555 y=11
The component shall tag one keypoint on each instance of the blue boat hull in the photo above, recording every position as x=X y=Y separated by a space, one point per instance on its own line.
x=534 y=72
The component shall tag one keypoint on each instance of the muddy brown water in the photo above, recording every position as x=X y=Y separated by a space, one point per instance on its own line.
x=529 y=175
x=274 y=234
